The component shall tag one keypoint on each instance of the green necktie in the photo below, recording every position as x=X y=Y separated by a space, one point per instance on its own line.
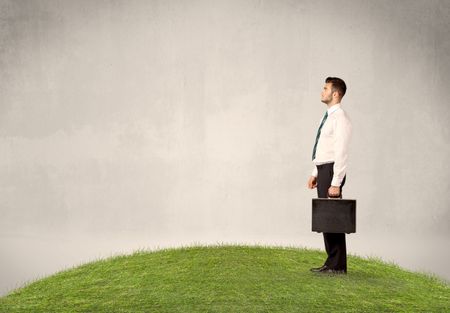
x=318 y=135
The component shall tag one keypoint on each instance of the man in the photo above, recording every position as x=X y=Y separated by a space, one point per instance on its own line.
x=330 y=155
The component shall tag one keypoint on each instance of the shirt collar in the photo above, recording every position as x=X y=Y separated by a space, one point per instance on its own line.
x=333 y=108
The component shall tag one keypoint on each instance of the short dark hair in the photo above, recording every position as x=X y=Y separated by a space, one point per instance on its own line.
x=337 y=84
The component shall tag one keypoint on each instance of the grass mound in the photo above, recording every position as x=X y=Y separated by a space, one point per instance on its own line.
x=230 y=278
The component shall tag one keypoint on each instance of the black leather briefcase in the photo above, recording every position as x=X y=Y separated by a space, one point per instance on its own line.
x=333 y=215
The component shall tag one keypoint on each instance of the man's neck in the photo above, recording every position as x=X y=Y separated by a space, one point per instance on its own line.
x=332 y=103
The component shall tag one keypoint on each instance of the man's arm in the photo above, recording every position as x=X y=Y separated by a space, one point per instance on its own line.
x=343 y=133
x=312 y=181
x=314 y=172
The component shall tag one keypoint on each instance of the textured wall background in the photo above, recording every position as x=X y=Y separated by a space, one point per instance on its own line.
x=181 y=121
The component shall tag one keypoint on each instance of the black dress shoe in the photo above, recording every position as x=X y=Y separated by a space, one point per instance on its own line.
x=326 y=269
x=319 y=269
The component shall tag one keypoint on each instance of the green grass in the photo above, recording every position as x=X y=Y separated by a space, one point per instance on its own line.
x=230 y=278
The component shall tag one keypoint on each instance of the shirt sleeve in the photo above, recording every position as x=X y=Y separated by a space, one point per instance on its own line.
x=343 y=131
x=314 y=172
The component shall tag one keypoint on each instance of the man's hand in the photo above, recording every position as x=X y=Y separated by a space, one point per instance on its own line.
x=334 y=191
x=312 y=182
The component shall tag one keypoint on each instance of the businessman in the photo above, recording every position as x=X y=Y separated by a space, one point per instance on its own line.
x=330 y=154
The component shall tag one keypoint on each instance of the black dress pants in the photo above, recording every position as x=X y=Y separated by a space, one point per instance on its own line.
x=334 y=242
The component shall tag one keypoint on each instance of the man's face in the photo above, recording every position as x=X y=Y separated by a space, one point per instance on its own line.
x=327 y=94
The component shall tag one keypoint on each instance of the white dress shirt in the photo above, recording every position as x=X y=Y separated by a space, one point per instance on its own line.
x=333 y=143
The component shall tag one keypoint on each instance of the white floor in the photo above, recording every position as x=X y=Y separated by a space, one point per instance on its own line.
x=28 y=257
